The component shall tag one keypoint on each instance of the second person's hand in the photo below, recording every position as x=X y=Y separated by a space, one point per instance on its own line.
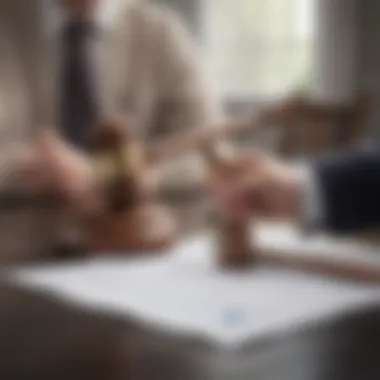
x=258 y=185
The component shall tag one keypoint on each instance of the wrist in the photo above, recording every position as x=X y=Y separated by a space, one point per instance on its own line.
x=311 y=213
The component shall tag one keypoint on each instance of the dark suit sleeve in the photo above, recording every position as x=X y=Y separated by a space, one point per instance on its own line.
x=350 y=190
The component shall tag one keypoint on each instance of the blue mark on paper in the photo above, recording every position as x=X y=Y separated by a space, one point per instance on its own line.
x=233 y=316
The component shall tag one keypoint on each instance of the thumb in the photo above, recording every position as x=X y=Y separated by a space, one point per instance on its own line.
x=254 y=193
x=252 y=159
x=49 y=140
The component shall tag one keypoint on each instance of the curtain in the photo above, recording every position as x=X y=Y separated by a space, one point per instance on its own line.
x=336 y=53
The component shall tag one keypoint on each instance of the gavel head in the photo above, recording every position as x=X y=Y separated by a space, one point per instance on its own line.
x=111 y=134
x=118 y=154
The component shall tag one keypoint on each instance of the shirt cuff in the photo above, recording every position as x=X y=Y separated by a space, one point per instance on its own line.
x=313 y=210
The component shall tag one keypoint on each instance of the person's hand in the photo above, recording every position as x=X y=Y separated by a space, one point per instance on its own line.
x=257 y=185
x=50 y=166
x=29 y=170
x=70 y=172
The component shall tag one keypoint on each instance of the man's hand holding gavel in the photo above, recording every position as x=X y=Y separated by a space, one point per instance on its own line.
x=260 y=186
x=49 y=166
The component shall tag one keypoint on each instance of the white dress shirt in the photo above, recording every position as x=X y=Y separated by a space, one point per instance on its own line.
x=313 y=209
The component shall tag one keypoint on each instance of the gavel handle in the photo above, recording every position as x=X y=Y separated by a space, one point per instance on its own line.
x=181 y=143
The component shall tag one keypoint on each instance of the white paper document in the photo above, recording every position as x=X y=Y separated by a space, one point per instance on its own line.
x=186 y=293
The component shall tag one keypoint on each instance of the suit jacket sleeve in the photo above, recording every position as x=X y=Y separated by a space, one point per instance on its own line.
x=349 y=187
x=187 y=98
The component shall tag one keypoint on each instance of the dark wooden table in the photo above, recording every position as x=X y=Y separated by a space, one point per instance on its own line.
x=41 y=337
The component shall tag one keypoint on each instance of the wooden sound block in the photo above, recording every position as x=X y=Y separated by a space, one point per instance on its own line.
x=146 y=229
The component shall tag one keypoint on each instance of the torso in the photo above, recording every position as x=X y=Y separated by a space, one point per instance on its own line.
x=14 y=107
x=126 y=75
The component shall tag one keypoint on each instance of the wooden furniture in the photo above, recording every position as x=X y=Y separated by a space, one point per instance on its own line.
x=307 y=127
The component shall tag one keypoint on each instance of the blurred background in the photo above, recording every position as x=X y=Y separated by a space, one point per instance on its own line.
x=259 y=50
x=321 y=56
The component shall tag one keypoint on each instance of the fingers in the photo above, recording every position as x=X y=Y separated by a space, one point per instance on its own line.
x=230 y=174
x=253 y=186
x=28 y=170
x=50 y=166
x=67 y=169
x=150 y=181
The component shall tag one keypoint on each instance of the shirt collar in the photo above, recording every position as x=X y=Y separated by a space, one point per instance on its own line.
x=104 y=15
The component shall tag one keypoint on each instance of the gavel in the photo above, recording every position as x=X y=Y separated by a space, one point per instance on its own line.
x=115 y=148
x=129 y=219
x=234 y=243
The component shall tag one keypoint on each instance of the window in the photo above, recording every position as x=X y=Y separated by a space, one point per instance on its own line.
x=259 y=48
